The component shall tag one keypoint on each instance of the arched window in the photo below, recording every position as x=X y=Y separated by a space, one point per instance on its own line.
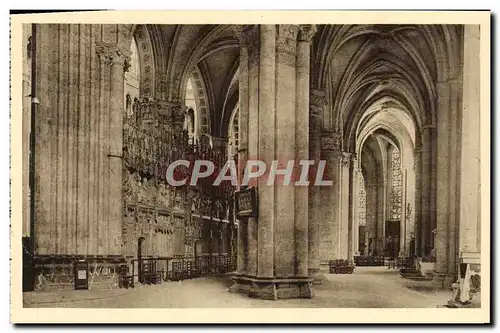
x=190 y=102
x=132 y=78
x=362 y=201
x=396 y=185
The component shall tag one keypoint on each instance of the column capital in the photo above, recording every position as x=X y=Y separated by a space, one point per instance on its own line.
x=249 y=38
x=331 y=142
x=111 y=54
x=317 y=103
x=307 y=32
x=347 y=158
x=286 y=42
x=287 y=31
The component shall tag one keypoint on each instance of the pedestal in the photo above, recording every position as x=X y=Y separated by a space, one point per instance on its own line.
x=272 y=288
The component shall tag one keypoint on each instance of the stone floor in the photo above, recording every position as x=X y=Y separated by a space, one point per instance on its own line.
x=367 y=287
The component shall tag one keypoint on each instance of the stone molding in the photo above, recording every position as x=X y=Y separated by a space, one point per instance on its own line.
x=249 y=35
x=345 y=159
x=307 y=32
x=331 y=141
x=110 y=55
x=317 y=103
x=286 y=42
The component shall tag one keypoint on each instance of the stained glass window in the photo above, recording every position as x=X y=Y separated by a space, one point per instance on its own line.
x=362 y=201
x=396 y=188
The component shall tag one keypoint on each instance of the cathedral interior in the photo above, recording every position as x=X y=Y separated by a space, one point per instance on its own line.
x=392 y=109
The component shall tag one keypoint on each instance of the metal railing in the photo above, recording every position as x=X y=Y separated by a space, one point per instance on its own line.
x=154 y=270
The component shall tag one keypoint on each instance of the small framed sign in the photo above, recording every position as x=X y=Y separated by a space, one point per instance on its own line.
x=246 y=203
x=81 y=273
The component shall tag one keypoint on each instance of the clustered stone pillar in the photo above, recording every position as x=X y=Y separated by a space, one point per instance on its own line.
x=417 y=167
x=317 y=103
x=78 y=200
x=470 y=181
x=330 y=203
x=302 y=220
x=354 y=209
x=278 y=114
x=243 y=224
x=346 y=213
x=428 y=214
x=115 y=150
x=446 y=195
x=334 y=243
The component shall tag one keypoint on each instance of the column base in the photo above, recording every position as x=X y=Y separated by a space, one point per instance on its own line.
x=272 y=288
x=316 y=275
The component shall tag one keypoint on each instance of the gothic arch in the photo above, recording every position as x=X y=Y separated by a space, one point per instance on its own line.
x=146 y=59
x=185 y=52
x=231 y=99
x=404 y=62
x=441 y=40
x=203 y=104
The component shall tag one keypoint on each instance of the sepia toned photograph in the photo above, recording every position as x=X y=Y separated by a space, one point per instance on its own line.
x=269 y=163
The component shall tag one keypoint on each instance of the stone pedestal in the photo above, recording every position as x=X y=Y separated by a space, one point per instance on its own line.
x=271 y=288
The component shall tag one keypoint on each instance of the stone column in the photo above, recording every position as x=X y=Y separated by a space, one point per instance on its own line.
x=330 y=225
x=317 y=103
x=252 y=40
x=345 y=231
x=266 y=151
x=243 y=115
x=285 y=221
x=417 y=167
x=115 y=198
x=426 y=188
x=446 y=196
x=470 y=179
x=305 y=35
x=473 y=130
x=272 y=241
x=354 y=209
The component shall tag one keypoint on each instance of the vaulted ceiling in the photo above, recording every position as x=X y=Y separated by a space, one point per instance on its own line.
x=211 y=51
x=357 y=65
